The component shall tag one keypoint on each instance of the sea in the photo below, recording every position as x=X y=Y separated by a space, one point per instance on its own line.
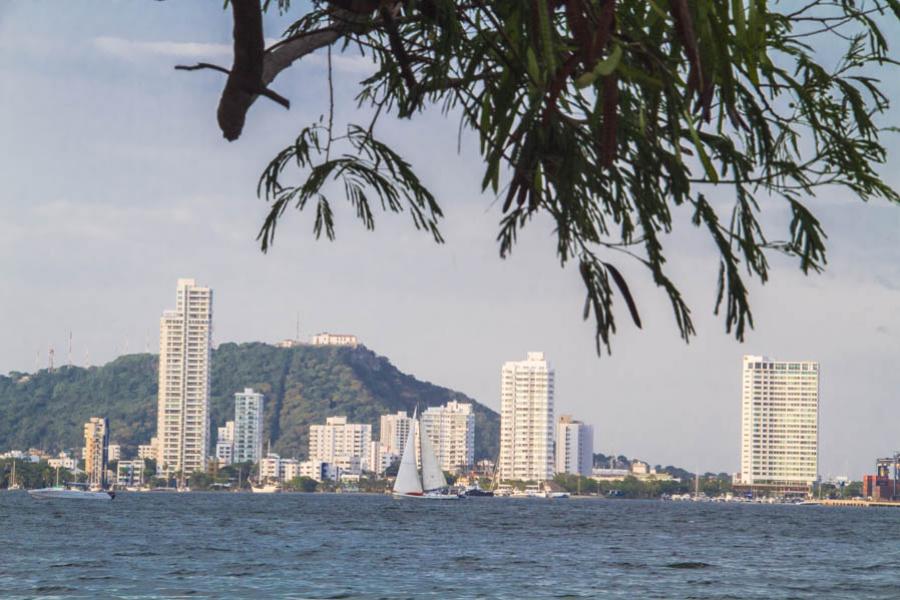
x=221 y=545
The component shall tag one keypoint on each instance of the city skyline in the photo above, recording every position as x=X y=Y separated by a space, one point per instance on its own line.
x=145 y=180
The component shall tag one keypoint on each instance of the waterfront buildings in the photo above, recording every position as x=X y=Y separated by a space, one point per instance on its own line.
x=451 y=430
x=96 y=448
x=779 y=424
x=393 y=431
x=185 y=344
x=339 y=443
x=526 y=419
x=574 y=447
x=225 y=444
x=130 y=473
x=334 y=339
x=248 y=426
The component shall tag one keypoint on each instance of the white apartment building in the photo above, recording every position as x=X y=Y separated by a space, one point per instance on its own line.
x=96 y=449
x=380 y=458
x=334 y=339
x=289 y=469
x=526 y=419
x=114 y=452
x=394 y=430
x=62 y=461
x=130 y=472
x=779 y=422
x=270 y=467
x=338 y=442
x=451 y=430
x=185 y=344
x=148 y=450
x=225 y=444
x=248 y=426
x=574 y=447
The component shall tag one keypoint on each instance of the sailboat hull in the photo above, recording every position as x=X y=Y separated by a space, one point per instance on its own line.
x=428 y=496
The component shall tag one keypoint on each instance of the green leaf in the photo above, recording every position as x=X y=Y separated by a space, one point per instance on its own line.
x=602 y=68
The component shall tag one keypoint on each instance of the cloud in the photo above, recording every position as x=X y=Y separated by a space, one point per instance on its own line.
x=134 y=49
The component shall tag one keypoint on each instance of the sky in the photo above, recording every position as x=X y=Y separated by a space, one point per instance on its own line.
x=115 y=182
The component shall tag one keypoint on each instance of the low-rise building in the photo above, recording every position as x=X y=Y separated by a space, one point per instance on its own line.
x=114 y=452
x=340 y=443
x=148 y=450
x=270 y=467
x=334 y=339
x=63 y=461
x=225 y=444
x=130 y=473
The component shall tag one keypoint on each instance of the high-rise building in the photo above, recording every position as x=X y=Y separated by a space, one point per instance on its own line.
x=339 y=443
x=394 y=430
x=225 y=444
x=779 y=424
x=96 y=450
x=248 y=426
x=574 y=447
x=185 y=343
x=526 y=419
x=451 y=430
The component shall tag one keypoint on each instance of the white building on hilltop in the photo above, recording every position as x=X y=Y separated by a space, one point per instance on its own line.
x=334 y=339
x=451 y=430
x=225 y=444
x=185 y=344
x=394 y=430
x=248 y=426
x=526 y=419
x=779 y=423
x=342 y=444
x=574 y=447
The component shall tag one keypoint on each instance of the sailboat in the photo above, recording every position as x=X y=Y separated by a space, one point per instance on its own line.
x=432 y=484
x=13 y=485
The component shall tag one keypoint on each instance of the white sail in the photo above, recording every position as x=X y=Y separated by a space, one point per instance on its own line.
x=408 y=481
x=432 y=476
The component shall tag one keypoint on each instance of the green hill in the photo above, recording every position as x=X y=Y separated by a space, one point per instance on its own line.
x=303 y=385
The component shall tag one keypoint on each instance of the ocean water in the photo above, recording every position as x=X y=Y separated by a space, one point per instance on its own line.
x=366 y=546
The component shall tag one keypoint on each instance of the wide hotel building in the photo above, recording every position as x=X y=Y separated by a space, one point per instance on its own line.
x=779 y=426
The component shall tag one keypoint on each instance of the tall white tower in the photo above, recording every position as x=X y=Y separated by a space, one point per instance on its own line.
x=526 y=419
x=248 y=426
x=182 y=425
x=779 y=423
x=574 y=447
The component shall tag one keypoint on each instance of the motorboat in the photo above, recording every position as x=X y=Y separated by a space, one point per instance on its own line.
x=73 y=491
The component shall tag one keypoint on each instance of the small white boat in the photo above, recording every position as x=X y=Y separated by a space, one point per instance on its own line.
x=552 y=495
x=71 y=491
x=432 y=485
x=267 y=488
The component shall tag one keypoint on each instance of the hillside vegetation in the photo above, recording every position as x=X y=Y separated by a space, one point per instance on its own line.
x=303 y=386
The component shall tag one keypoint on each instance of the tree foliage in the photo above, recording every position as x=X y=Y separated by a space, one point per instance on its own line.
x=608 y=116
